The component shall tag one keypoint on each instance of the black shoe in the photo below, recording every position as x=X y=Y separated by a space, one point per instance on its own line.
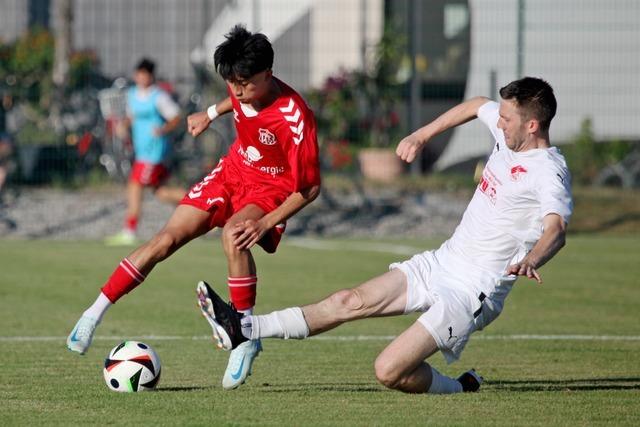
x=223 y=317
x=470 y=381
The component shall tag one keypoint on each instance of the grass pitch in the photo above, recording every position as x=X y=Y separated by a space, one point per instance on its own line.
x=536 y=373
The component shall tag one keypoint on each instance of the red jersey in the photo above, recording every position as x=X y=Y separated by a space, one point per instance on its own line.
x=278 y=145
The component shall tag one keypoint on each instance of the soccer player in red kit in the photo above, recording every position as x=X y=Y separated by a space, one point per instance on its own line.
x=270 y=173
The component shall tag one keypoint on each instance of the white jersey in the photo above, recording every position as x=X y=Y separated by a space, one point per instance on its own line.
x=504 y=218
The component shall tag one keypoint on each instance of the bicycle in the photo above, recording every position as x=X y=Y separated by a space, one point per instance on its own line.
x=117 y=149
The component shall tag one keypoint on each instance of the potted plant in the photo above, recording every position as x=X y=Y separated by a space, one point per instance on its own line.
x=360 y=107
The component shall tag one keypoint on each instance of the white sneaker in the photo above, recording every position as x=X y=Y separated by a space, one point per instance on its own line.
x=123 y=238
x=80 y=337
x=240 y=362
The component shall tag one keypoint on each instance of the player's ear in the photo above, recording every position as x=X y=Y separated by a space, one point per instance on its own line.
x=533 y=126
x=268 y=74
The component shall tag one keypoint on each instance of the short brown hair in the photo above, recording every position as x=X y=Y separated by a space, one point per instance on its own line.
x=534 y=97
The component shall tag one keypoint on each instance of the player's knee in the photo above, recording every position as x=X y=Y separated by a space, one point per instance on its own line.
x=349 y=302
x=230 y=249
x=386 y=373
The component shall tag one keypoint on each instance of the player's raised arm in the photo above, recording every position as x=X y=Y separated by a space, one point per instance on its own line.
x=551 y=241
x=411 y=145
x=200 y=121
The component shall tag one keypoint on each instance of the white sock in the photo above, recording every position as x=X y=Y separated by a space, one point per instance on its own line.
x=245 y=324
x=287 y=323
x=98 y=308
x=441 y=384
x=247 y=312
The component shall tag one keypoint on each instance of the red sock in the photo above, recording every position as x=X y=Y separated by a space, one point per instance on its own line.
x=122 y=281
x=131 y=223
x=242 y=291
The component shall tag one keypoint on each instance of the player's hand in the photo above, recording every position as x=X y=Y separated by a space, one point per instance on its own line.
x=409 y=147
x=524 y=268
x=198 y=123
x=248 y=232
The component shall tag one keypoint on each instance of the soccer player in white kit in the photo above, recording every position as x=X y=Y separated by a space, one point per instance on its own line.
x=514 y=224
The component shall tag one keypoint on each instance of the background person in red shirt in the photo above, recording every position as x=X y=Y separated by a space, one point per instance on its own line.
x=270 y=173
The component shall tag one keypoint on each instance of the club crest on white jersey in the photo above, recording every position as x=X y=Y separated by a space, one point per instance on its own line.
x=517 y=172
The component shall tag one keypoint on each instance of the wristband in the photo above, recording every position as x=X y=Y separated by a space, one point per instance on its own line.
x=211 y=112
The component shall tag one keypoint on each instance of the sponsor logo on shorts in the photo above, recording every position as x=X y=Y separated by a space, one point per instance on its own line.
x=451 y=336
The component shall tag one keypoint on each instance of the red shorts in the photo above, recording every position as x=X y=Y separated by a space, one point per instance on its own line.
x=223 y=192
x=148 y=174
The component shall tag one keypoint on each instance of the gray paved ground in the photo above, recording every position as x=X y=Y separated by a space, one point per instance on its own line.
x=94 y=214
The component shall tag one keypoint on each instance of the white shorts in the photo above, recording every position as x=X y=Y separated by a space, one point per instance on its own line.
x=452 y=311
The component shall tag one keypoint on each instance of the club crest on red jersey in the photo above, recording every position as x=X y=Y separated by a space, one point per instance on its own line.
x=266 y=137
x=517 y=171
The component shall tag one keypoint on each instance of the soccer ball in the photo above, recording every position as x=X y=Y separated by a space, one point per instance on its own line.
x=132 y=366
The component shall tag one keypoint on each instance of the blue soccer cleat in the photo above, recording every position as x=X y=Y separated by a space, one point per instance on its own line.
x=227 y=331
x=80 y=337
x=240 y=363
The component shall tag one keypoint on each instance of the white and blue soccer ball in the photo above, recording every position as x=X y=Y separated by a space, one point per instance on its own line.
x=132 y=366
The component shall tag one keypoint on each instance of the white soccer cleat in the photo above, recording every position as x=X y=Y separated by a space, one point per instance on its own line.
x=240 y=362
x=80 y=337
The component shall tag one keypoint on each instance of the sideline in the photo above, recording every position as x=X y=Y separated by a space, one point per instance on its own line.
x=488 y=337
x=332 y=245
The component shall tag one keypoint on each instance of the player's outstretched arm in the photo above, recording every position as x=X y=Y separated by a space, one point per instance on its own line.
x=199 y=122
x=551 y=241
x=411 y=145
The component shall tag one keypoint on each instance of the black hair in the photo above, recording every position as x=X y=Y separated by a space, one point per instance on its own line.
x=534 y=97
x=243 y=54
x=147 y=65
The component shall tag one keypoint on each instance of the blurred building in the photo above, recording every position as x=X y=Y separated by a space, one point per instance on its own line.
x=587 y=49
x=312 y=38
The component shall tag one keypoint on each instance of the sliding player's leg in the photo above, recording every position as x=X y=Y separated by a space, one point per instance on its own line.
x=186 y=223
x=385 y=295
x=402 y=366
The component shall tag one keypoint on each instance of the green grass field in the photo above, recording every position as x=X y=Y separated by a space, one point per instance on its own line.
x=591 y=289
